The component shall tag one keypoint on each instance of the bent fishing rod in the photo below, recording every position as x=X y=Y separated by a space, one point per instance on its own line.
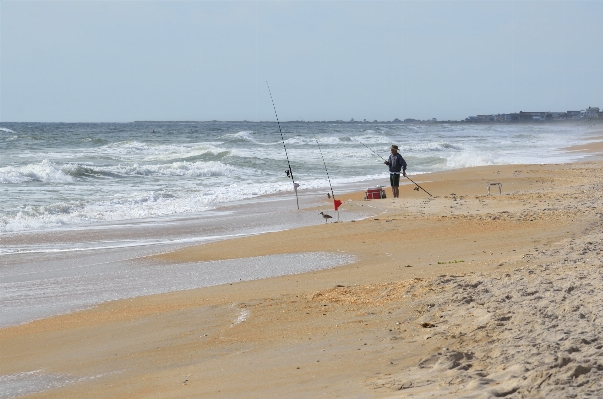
x=386 y=161
x=290 y=171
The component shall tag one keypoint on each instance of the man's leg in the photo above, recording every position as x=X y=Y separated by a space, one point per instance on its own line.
x=395 y=181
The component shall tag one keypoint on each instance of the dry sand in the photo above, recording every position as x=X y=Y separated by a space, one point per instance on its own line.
x=457 y=295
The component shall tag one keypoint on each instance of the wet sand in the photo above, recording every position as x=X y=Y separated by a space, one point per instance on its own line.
x=456 y=295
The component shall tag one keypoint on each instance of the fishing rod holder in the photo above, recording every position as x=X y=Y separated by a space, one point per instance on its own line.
x=495 y=184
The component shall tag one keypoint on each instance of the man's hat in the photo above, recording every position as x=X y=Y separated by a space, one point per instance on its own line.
x=394 y=147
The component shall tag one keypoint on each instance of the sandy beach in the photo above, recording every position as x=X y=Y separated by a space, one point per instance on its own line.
x=462 y=294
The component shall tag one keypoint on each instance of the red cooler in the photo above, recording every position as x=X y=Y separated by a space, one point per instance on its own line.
x=374 y=193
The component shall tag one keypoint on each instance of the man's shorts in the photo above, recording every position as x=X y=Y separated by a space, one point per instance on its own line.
x=394 y=179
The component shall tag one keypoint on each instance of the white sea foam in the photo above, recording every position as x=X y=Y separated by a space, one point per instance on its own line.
x=3 y=129
x=432 y=146
x=310 y=140
x=244 y=135
x=187 y=169
x=134 y=151
x=49 y=172
x=468 y=159
x=45 y=171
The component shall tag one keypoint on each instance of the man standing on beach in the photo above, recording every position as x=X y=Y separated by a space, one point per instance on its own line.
x=396 y=164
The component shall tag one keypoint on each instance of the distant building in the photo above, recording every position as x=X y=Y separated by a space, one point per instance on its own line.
x=573 y=114
x=559 y=115
x=591 y=112
x=532 y=116
x=396 y=120
x=409 y=120
x=485 y=118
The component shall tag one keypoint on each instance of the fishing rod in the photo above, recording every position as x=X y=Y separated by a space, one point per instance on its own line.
x=418 y=186
x=386 y=161
x=336 y=203
x=370 y=149
x=290 y=171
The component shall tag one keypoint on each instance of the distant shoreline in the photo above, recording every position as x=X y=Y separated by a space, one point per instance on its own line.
x=535 y=122
x=583 y=122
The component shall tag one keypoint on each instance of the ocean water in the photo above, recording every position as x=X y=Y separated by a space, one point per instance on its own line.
x=57 y=175
x=75 y=284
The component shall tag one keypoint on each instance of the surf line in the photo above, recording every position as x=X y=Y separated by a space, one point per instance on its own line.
x=336 y=202
x=289 y=172
x=386 y=161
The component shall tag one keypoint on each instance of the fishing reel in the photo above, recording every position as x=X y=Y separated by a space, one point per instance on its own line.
x=288 y=173
x=416 y=188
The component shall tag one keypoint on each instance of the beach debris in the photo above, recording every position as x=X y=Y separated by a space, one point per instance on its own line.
x=488 y=185
x=325 y=216
x=427 y=325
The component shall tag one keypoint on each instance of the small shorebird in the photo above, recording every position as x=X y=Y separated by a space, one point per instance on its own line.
x=325 y=216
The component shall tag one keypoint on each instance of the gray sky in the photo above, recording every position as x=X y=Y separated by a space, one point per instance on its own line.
x=101 y=61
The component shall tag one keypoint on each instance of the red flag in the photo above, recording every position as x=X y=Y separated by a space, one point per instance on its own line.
x=336 y=204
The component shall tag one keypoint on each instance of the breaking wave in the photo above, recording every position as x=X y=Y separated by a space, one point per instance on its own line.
x=44 y=171
x=48 y=172
x=184 y=169
x=435 y=146
x=247 y=135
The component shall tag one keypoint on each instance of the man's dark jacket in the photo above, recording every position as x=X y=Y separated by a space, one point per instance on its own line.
x=396 y=163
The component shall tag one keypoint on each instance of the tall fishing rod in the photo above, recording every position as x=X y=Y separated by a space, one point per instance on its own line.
x=386 y=161
x=336 y=203
x=370 y=149
x=290 y=171
x=323 y=158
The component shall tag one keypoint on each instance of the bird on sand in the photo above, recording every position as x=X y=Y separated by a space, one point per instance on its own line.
x=325 y=216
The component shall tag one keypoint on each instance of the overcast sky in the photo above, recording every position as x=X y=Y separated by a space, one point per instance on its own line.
x=101 y=61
